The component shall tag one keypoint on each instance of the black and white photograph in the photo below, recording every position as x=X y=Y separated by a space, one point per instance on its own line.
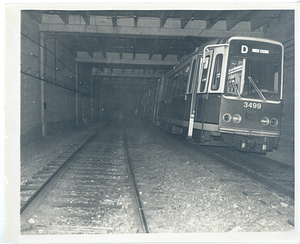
x=163 y=122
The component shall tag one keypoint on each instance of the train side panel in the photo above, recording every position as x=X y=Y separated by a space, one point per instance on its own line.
x=208 y=108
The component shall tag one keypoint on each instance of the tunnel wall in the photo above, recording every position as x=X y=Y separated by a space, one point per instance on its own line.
x=282 y=29
x=59 y=91
x=31 y=126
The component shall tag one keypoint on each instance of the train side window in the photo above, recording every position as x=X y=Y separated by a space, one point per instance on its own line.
x=174 y=85
x=183 y=79
x=235 y=76
x=170 y=85
x=204 y=74
x=217 y=73
x=192 y=76
x=165 y=88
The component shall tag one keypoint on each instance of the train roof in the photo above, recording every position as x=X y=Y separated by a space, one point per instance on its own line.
x=199 y=50
x=228 y=39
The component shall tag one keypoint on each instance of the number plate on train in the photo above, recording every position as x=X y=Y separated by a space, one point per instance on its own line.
x=252 y=105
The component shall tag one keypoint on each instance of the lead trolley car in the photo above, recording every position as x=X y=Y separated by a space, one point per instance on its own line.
x=227 y=92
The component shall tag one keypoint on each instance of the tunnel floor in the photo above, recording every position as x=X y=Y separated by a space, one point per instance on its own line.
x=217 y=215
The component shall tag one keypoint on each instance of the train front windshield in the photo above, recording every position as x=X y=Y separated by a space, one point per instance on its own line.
x=254 y=71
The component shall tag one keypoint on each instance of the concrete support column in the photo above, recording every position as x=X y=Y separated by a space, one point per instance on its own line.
x=42 y=74
x=92 y=98
x=101 y=100
x=77 y=95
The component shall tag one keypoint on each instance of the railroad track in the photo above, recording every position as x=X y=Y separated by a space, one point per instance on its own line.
x=155 y=175
x=93 y=191
x=275 y=175
x=137 y=179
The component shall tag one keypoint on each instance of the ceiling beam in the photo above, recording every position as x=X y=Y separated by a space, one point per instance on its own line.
x=127 y=61
x=143 y=31
x=88 y=49
x=114 y=19
x=180 y=54
x=164 y=55
x=64 y=17
x=185 y=18
x=154 y=76
x=135 y=19
x=210 y=23
x=121 y=53
x=69 y=47
x=263 y=17
x=36 y=15
x=155 y=47
x=236 y=17
x=163 y=18
x=134 y=47
x=131 y=87
x=86 y=16
x=99 y=46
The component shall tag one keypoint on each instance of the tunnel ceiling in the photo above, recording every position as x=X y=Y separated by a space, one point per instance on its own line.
x=136 y=47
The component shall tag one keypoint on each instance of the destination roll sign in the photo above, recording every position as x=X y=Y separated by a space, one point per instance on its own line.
x=254 y=49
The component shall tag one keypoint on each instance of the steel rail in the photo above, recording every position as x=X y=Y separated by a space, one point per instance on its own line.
x=269 y=183
x=35 y=200
x=140 y=212
x=259 y=177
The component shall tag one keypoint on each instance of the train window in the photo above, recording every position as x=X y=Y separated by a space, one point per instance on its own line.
x=235 y=76
x=183 y=79
x=217 y=72
x=262 y=79
x=170 y=85
x=192 y=76
x=175 y=84
x=204 y=74
x=253 y=78
x=165 y=88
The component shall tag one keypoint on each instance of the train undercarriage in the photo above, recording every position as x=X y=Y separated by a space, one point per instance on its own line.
x=246 y=143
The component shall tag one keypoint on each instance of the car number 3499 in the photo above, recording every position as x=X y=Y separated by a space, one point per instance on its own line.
x=252 y=105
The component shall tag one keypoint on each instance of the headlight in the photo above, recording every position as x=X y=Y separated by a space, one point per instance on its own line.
x=274 y=122
x=237 y=118
x=227 y=117
x=265 y=121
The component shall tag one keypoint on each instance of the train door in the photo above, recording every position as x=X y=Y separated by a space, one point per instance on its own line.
x=202 y=94
x=215 y=89
x=208 y=94
x=208 y=104
x=190 y=97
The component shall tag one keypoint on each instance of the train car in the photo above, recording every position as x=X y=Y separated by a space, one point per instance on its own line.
x=227 y=92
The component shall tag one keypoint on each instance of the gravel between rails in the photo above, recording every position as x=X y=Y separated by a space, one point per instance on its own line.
x=188 y=193
x=191 y=193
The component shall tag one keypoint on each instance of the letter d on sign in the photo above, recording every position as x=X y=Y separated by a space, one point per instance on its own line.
x=244 y=49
